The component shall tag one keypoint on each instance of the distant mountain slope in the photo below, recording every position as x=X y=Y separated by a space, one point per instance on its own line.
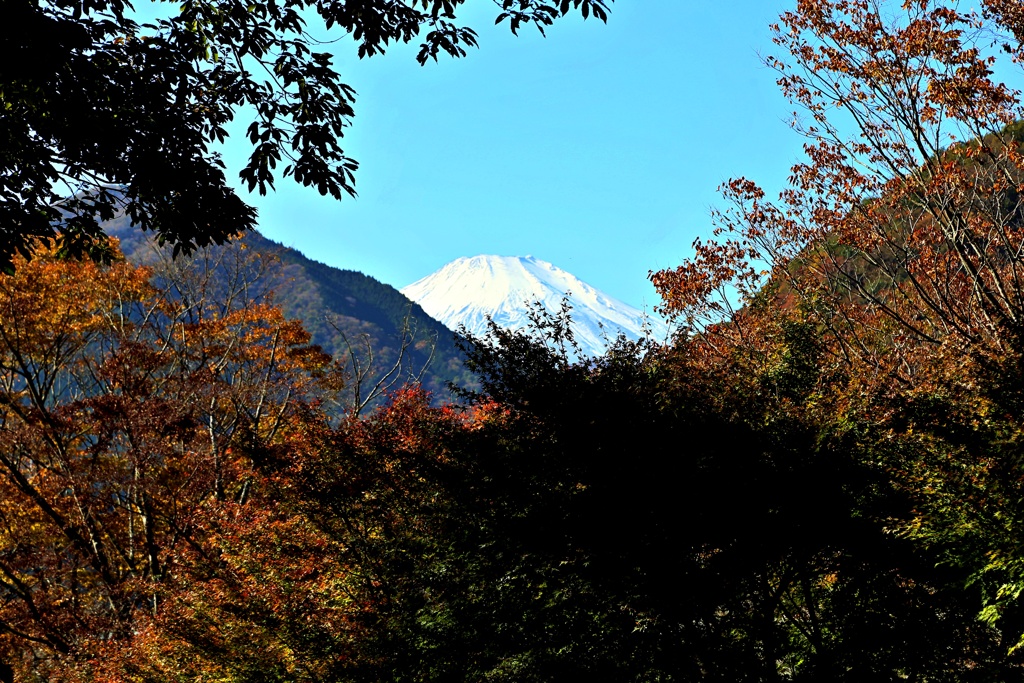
x=344 y=311
x=469 y=290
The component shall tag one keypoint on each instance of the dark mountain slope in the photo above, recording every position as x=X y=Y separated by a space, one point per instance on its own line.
x=343 y=309
x=369 y=326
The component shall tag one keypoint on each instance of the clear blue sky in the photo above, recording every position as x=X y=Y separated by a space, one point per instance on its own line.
x=599 y=148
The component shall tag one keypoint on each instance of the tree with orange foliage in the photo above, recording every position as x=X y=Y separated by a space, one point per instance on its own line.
x=897 y=252
x=128 y=414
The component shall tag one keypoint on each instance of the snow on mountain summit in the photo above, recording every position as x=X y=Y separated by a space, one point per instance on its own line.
x=469 y=289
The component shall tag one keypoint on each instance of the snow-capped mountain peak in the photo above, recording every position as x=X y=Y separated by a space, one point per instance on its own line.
x=469 y=289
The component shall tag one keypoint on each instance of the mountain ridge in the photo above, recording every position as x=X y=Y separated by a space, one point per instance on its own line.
x=351 y=315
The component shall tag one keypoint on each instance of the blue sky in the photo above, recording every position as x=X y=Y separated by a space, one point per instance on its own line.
x=599 y=148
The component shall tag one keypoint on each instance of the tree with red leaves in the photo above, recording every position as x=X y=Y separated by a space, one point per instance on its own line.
x=896 y=256
x=127 y=414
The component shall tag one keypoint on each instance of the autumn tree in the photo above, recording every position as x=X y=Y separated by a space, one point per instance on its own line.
x=128 y=414
x=104 y=114
x=896 y=250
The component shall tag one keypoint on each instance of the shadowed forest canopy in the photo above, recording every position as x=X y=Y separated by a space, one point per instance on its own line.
x=93 y=100
x=178 y=504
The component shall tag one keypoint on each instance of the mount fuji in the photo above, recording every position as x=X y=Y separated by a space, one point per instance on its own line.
x=470 y=290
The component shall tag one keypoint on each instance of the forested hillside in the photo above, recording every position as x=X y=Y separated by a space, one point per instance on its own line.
x=368 y=326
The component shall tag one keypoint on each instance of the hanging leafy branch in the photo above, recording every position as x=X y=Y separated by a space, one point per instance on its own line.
x=103 y=114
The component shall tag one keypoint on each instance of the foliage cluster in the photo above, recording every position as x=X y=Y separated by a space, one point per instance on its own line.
x=126 y=411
